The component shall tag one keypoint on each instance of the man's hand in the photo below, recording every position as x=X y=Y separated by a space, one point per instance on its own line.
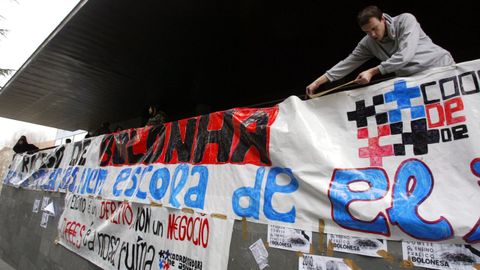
x=366 y=76
x=310 y=90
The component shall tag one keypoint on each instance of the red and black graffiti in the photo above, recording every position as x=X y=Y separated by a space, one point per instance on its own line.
x=239 y=136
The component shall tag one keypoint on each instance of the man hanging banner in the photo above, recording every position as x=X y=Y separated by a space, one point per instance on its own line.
x=122 y=235
x=397 y=160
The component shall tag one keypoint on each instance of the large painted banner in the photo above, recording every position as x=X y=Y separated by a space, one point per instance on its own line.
x=396 y=160
x=123 y=235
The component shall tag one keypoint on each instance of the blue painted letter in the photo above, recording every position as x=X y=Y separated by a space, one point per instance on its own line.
x=142 y=194
x=407 y=197
x=254 y=197
x=122 y=176
x=175 y=189
x=473 y=236
x=272 y=188
x=158 y=192
x=198 y=191
x=341 y=196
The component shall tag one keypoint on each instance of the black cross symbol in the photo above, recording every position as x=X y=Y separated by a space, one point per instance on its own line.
x=361 y=113
x=420 y=137
x=397 y=128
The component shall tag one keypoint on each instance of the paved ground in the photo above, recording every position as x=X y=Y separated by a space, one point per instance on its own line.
x=5 y=266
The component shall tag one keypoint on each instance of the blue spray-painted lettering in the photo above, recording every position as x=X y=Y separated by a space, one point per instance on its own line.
x=252 y=210
x=199 y=191
x=72 y=180
x=475 y=166
x=36 y=179
x=158 y=192
x=175 y=189
x=474 y=235
x=272 y=187
x=10 y=174
x=92 y=175
x=142 y=194
x=406 y=201
x=101 y=177
x=122 y=177
x=52 y=178
x=81 y=182
x=65 y=178
x=341 y=196
x=129 y=192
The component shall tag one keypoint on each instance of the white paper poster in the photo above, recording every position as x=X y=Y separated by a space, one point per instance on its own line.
x=44 y=221
x=440 y=256
x=289 y=239
x=50 y=209
x=45 y=201
x=36 y=206
x=260 y=253
x=314 y=262
x=357 y=245
x=120 y=235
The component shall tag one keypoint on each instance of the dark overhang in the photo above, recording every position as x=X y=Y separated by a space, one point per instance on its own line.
x=109 y=59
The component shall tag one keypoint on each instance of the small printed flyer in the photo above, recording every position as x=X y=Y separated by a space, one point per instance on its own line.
x=260 y=253
x=315 y=262
x=289 y=239
x=45 y=201
x=44 y=221
x=441 y=256
x=357 y=245
x=36 y=206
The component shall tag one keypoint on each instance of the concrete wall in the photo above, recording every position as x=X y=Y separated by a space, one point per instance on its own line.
x=26 y=245
x=6 y=155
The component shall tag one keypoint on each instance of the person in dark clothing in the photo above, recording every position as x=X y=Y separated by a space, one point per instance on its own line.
x=88 y=135
x=23 y=146
x=118 y=129
x=157 y=117
x=103 y=129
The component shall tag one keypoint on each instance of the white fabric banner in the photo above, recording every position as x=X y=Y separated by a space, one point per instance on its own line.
x=122 y=235
x=397 y=160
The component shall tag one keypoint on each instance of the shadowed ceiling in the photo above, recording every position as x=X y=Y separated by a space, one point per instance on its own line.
x=110 y=59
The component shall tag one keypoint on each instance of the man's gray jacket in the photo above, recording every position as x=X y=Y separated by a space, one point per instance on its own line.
x=405 y=50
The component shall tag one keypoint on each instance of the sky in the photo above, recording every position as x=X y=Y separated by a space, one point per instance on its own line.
x=29 y=23
x=11 y=130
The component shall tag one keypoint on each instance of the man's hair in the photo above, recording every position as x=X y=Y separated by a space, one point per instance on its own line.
x=369 y=12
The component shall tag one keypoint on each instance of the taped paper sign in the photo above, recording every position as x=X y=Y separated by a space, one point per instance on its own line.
x=44 y=221
x=45 y=201
x=50 y=209
x=394 y=160
x=123 y=235
x=314 y=262
x=441 y=256
x=357 y=245
x=289 y=239
x=260 y=253
x=36 y=206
